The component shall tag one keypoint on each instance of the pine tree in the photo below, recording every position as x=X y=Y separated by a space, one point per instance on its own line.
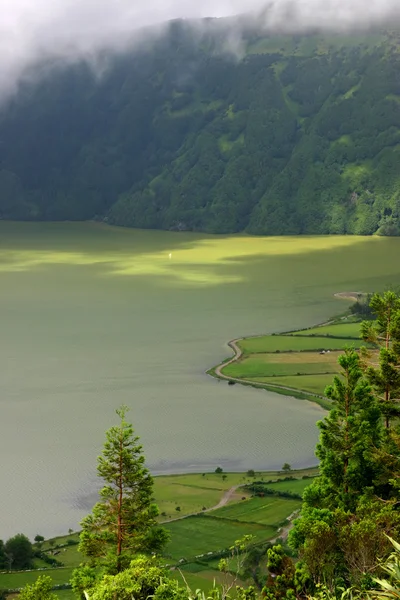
x=349 y=436
x=384 y=332
x=351 y=482
x=124 y=521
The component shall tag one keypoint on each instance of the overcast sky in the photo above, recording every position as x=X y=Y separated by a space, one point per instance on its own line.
x=30 y=29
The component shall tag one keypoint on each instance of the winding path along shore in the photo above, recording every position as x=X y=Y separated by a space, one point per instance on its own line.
x=237 y=354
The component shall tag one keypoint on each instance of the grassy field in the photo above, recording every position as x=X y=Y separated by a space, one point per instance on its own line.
x=17 y=580
x=287 y=343
x=199 y=535
x=189 y=494
x=294 y=485
x=311 y=384
x=305 y=360
x=345 y=330
x=217 y=530
x=270 y=510
x=315 y=384
x=298 y=363
x=194 y=491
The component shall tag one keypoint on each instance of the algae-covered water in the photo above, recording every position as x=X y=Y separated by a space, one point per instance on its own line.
x=94 y=316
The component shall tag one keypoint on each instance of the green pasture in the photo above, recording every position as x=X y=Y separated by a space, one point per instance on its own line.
x=270 y=510
x=199 y=535
x=295 y=360
x=197 y=490
x=297 y=486
x=18 y=580
x=193 y=535
x=287 y=343
x=189 y=497
x=202 y=579
x=259 y=365
x=314 y=384
x=343 y=330
x=66 y=595
x=61 y=594
x=59 y=540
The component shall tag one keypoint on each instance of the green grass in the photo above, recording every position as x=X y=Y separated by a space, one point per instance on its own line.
x=70 y=556
x=193 y=491
x=194 y=535
x=66 y=595
x=18 y=580
x=285 y=343
x=199 y=535
x=191 y=496
x=345 y=330
x=315 y=384
x=61 y=539
x=203 y=580
x=257 y=365
x=61 y=594
x=296 y=486
x=270 y=510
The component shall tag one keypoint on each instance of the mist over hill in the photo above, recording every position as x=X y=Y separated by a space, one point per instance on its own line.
x=216 y=128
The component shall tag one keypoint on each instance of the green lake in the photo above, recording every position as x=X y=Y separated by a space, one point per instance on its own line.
x=94 y=316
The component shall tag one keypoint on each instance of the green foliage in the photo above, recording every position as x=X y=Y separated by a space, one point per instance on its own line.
x=4 y=562
x=282 y=141
x=350 y=509
x=385 y=333
x=285 y=579
x=39 y=538
x=348 y=435
x=40 y=590
x=83 y=578
x=142 y=579
x=19 y=552
x=390 y=587
x=124 y=521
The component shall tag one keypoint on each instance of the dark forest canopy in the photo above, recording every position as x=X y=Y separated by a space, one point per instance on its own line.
x=298 y=134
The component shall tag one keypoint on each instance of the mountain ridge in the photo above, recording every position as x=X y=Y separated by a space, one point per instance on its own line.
x=298 y=135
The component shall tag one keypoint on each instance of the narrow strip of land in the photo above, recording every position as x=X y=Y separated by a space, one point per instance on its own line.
x=236 y=357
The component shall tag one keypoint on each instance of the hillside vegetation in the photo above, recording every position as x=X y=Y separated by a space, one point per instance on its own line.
x=297 y=134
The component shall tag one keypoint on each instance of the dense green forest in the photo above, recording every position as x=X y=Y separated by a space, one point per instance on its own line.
x=286 y=135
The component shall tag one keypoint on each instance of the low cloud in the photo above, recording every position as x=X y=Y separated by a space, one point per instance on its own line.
x=31 y=30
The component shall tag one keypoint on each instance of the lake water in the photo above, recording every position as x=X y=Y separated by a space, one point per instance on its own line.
x=94 y=316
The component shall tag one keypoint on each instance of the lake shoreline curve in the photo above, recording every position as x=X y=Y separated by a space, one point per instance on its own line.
x=233 y=344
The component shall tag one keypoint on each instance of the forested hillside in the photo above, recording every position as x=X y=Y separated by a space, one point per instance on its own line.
x=295 y=134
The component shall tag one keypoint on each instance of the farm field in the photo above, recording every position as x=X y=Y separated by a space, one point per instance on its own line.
x=194 y=491
x=289 y=343
x=345 y=330
x=298 y=363
x=304 y=360
x=296 y=486
x=17 y=580
x=199 y=535
x=270 y=510
x=313 y=384
x=194 y=535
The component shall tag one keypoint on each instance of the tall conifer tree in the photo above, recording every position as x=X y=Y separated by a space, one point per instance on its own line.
x=383 y=373
x=124 y=521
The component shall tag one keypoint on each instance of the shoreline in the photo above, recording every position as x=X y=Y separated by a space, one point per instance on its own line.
x=321 y=401
x=216 y=373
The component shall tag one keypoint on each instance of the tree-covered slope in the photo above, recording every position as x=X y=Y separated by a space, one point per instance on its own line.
x=298 y=134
